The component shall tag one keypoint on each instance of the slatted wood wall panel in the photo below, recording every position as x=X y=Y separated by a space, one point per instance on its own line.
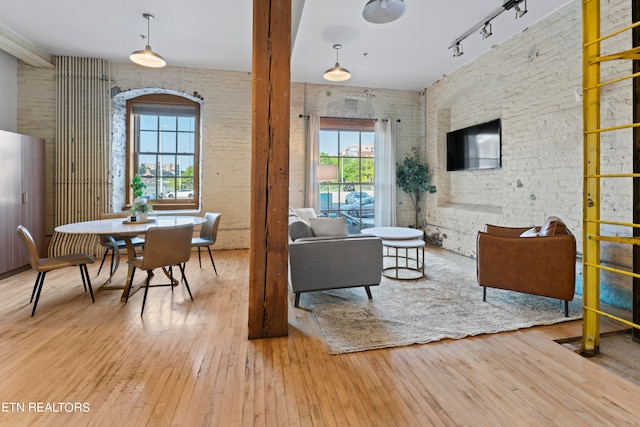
x=83 y=148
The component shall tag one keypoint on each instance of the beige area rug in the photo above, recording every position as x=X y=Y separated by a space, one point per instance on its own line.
x=446 y=304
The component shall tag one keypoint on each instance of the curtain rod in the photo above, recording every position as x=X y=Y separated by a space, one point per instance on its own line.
x=306 y=116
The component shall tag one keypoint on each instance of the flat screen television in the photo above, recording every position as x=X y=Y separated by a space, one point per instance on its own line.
x=475 y=147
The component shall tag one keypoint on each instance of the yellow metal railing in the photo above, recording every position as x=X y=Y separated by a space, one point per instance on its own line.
x=592 y=59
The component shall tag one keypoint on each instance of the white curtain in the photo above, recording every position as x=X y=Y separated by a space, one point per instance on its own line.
x=385 y=173
x=313 y=151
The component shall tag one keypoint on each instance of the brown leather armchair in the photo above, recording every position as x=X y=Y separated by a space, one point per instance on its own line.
x=544 y=264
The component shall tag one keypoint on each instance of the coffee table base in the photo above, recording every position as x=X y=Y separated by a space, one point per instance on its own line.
x=415 y=266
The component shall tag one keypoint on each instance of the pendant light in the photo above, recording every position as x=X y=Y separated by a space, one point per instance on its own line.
x=337 y=73
x=383 y=11
x=147 y=57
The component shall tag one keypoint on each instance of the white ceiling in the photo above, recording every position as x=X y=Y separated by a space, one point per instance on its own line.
x=410 y=53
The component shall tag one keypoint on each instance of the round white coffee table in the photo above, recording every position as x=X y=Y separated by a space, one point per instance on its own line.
x=394 y=233
x=394 y=241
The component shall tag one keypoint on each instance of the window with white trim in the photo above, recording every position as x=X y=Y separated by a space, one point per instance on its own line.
x=163 y=148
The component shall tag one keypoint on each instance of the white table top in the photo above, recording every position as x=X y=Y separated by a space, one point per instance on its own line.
x=117 y=226
x=404 y=244
x=394 y=233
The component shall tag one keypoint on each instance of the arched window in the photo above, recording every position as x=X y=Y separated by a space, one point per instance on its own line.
x=163 y=134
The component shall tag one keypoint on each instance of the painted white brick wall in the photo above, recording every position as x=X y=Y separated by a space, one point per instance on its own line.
x=226 y=131
x=532 y=82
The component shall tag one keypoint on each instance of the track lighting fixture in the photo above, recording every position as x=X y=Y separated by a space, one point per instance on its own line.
x=519 y=6
x=457 y=50
x=486 y=31
x=520 y=12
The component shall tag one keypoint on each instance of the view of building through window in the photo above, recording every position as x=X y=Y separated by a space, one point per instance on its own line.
x=347 y=187
x=164 y=150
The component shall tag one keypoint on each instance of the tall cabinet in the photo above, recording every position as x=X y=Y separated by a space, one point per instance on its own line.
x=21 y=197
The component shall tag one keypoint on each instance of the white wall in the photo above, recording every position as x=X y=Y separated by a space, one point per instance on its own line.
x=8 y=92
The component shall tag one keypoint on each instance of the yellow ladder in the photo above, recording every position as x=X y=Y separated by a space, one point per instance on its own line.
x=592 y=84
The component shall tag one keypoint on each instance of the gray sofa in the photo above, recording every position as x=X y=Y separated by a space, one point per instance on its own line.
x=336 y=261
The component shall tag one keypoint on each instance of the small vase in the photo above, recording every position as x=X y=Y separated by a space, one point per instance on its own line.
x=142 y=216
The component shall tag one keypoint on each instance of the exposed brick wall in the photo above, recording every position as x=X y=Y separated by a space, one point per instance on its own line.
x=226 y=129
x=533 y=83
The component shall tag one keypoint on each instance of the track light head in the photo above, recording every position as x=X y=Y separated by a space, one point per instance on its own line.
x=486 y=31
x=457 y=50
x=520 y=10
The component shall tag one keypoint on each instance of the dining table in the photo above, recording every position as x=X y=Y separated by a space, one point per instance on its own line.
x=124 y=229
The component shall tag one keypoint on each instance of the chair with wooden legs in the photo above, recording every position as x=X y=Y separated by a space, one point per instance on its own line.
x=164 y=247
x=43 y=265
x=112 y=245
x=208 y=236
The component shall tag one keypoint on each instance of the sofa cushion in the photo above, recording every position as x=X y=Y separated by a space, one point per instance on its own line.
x=299 y=229
x=553 y=226
x=329 y=226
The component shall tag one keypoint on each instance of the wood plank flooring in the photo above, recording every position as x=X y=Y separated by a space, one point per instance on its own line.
x=189 y=363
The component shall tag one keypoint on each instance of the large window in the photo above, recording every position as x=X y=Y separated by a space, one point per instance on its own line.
x=163 y=148
x=347 y=186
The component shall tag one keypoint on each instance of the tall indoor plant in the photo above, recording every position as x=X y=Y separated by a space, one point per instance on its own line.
x=414 y=178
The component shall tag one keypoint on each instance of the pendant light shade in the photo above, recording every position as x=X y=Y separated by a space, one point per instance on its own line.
x=337 y=73
x=383 y=11
x=147 y=57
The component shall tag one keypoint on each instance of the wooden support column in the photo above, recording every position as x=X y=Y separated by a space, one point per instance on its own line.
x=268 y=303
x=635 y=36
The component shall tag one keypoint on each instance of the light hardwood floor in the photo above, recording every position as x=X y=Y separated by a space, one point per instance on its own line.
x=188 y=363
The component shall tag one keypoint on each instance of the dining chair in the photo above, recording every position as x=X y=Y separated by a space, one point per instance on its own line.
x=208 y=235
x=43 y=265
x=164 y=247
x=111 y=244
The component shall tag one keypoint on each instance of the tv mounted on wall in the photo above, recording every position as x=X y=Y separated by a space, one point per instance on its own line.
x=475 y=147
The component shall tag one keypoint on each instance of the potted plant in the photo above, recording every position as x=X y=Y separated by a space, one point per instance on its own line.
x=414 y=178
x=140 y=210
x=141 y=207
x=137 y=185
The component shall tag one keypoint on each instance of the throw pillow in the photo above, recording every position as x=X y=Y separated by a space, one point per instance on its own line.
x=553 y=226
x=299 y=229
x=532 y=232
x=329 y=226
x=305 y=214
